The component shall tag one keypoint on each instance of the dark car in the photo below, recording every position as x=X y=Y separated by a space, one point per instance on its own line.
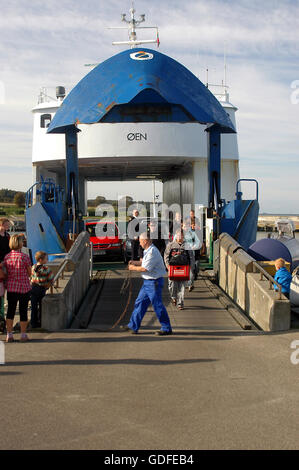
x=105 y=239
x=162 y=232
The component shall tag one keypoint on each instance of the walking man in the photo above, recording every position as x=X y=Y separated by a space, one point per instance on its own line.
x=153 y=270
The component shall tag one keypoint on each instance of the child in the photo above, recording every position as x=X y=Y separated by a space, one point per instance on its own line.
x=282 y=277
x=41 y=280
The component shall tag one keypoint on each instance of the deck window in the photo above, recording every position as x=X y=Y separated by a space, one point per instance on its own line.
x=45 y=120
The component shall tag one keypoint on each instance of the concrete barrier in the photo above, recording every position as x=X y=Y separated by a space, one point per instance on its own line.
x=247 y=290
x=263 y=306
x=216 y=259
x=227 y=247
x=241 y=265
x=58 y=309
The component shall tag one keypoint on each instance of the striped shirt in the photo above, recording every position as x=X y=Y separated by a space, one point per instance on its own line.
x=16 y=264
x=41 y=274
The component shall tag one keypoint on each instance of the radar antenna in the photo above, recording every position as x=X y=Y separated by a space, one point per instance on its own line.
x=132 y=26
x=223 y=94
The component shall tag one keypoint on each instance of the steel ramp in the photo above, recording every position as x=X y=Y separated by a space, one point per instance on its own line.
x=203 y=310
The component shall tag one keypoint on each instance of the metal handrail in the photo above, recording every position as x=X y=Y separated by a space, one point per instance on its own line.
x=56 y=190
x=251 y=180
x=64 y=264
x=269 y=277
x=58 y=274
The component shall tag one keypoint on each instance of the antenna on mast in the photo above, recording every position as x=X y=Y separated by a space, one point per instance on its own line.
x=132 y=26
x=225 y=87
x=223 y=95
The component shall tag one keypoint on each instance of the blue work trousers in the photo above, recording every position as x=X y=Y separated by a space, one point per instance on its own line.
x=150 y=293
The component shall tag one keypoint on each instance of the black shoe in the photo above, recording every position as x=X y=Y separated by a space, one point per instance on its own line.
x=163 y=333
x=125 y=328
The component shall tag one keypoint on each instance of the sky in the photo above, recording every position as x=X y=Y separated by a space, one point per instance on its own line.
x=45 y=44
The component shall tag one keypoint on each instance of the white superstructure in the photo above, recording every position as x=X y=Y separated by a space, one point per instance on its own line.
x=126 y=145
x=174 y=153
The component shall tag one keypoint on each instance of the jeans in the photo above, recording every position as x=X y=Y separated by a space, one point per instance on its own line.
x=177 y=291
x=135 y=250
x=2 y=307
x=37 y=294
x=196 y=268
x=150 y=293
x=191 y=278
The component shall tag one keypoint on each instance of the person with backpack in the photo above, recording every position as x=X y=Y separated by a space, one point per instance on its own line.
x=177 y=253
x=192 y=242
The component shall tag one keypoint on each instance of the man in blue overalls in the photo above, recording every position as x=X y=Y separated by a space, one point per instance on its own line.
x=153 y=271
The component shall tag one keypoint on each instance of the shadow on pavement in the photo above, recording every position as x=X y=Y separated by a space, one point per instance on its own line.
x=108 y=362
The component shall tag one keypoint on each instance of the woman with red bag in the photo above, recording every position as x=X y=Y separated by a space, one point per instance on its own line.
x=177 y=254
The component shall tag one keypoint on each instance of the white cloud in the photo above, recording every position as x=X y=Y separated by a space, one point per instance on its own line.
x=48 y=43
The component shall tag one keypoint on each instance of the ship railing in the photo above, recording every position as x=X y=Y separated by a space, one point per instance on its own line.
x=46 y=191
x=263 y=274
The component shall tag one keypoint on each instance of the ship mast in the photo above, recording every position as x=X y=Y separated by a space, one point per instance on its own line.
x=132 y=26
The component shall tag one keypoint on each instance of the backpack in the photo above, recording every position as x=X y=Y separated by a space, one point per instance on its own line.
x=182 y=259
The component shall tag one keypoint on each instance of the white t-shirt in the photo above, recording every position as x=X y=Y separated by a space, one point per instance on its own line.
x=153 y=262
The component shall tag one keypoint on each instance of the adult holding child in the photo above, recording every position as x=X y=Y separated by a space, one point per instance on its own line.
x=18 y=272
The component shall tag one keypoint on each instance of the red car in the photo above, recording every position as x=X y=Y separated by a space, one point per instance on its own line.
x=105 y=240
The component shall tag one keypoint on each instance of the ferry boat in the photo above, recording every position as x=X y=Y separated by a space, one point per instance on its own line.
x=138 y=115
x=142 y=115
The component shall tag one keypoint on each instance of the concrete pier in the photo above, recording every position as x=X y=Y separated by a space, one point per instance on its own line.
x=211 y=385
x=267 y=222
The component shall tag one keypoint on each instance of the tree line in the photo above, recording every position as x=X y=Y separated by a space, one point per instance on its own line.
x=13 y=197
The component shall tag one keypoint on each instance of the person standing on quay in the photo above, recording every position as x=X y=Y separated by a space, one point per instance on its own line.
x=18 y=269
x=135 y=238
x=4 y=249
x=153 y=271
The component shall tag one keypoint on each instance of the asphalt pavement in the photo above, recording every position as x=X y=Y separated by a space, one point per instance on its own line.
x=211 y=385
